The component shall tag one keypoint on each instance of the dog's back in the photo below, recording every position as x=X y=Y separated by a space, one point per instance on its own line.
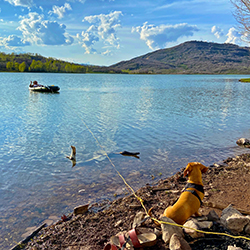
x=186 y=205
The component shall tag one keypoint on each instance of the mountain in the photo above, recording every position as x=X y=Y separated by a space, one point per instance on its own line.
x=193 y=57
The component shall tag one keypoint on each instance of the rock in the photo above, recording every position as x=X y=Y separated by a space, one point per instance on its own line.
x=81 y=191
x=204 y=224
x=168 y=230
x=213 y=216
x=230 y=210
x=243 y=142
x=51 y=220
x=233 y=220
x=216 y=165
x=81 y=209
x=138 y=218
x=28 y=230
x=206 y=194
x=202 y=217
x=157 y=232
x=118 y=223
x=192 y=224
x=234 y=248
x=247 y=228
x=178 y=243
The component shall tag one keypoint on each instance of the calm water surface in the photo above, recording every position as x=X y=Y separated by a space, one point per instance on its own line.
x=171 y=120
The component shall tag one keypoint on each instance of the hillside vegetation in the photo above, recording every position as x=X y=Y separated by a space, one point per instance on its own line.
x=36 y=63
x=191 y=58
x=187 y=58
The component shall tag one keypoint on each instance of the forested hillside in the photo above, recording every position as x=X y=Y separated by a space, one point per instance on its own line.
x=36 y=63
x=187 y=58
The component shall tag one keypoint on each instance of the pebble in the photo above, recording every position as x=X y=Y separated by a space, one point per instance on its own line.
x=81 y=191
x=118 y=223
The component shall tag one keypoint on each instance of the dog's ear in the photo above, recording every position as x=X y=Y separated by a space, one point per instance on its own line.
x=204 y=169
x=188 y=169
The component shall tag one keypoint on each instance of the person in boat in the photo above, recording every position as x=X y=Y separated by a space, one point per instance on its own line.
x=35 y=84
x=31 y=84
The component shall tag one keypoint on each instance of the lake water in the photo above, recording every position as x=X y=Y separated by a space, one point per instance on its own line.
x=170 y=119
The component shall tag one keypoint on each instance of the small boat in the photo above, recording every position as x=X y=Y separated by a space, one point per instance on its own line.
x=42 y=88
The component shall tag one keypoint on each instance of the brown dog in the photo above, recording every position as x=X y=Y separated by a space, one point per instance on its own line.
x=191 y=198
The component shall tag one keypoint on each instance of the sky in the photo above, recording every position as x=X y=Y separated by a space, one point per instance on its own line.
x=105 y=32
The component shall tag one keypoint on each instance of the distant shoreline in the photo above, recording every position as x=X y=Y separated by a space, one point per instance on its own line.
x=192 y=58
x=245 y=80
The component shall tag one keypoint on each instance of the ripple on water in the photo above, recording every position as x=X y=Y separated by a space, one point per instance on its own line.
x=170 y=120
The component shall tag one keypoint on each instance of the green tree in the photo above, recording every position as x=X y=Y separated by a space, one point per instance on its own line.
x=47 y=66
x=16 y=66
x=32 y=65
x=36 y=66
x=68 y=68
x=54 y=67
x=22 y=67
x=9 y=66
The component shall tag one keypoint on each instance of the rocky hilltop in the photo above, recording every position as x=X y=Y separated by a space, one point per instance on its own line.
x=191 y=57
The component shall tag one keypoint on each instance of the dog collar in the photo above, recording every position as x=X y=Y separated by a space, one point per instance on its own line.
x=196 y=186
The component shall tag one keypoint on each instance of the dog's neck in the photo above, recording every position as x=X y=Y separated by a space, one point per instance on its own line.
x=195 y=176
x=194 y=180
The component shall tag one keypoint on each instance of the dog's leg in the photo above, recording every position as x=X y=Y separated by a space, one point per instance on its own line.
x=197 y=214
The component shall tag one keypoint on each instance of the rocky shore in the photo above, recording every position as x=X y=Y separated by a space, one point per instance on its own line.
x=224 y=184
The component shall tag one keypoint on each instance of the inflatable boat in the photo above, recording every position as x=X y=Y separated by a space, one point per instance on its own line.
x=42 y=88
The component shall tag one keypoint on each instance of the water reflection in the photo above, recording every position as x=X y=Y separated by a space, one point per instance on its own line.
x=170 y=120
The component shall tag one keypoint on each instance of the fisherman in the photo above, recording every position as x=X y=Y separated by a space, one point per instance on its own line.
x=35 y=84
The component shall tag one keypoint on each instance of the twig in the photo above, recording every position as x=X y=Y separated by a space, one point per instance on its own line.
x=221 y=207
x=28 y=238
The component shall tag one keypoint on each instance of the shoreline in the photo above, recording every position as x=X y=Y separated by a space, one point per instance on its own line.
x=15 y=236
x=96 y=228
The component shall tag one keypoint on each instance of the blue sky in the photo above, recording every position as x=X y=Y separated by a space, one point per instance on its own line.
x=104 y=32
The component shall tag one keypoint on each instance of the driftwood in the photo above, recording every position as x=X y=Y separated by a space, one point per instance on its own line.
x=28 y=238
x=155 y=189
x=221 y=207
x=81 y=209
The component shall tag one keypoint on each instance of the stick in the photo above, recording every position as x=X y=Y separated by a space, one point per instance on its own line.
x=27 y=239
x=221 y=207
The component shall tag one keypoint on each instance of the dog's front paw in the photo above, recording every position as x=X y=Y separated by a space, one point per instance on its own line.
x=198 y=214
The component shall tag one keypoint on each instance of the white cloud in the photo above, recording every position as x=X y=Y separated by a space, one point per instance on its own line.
x=38 y=31
x=233 y=36
x=107 y=53
x=24 y=3
x=157 y=37
x=218 y=32
x=60 y=11
x=102 y=29
x=88 y=40
x=13 y=41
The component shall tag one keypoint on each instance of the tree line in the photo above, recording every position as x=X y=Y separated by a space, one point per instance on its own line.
x=36 y=63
